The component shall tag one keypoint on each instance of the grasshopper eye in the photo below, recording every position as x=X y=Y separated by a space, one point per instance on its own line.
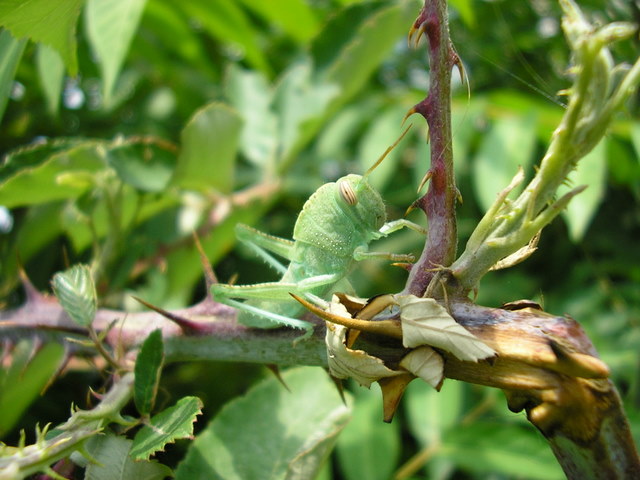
x=347 y=193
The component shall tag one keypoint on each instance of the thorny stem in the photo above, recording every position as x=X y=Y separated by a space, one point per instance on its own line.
x=82 y=425
x=439 y=201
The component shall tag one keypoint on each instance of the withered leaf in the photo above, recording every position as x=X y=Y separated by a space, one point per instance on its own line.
x=426 y=322
x=424 y=362
x=345 y=362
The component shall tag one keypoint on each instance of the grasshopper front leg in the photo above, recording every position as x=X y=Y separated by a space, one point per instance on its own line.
x=363 y=254
x=395 y=225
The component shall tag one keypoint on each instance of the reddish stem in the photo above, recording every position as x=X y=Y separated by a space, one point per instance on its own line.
x=439 y=201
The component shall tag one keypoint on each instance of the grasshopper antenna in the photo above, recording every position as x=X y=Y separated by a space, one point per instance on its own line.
x=386 y=152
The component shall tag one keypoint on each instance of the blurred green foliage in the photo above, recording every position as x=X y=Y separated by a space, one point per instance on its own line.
x=198 y=115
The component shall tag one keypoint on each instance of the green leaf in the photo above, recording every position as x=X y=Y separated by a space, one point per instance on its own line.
x=368 y=447
x=355 y=42
x=485 y=448
x=431 y=414
x=166 y=427
x=113 y=462
x=40 y=183
x=22 y=381
x=226 y=21
x=76 y=293
x=146 y=165
x=10 y=54
x=44 y=21
x=296 y=125
x=111 y=25
x=51 y=75
x=147 y=372
x=465 y=9
x=508 y=145
x=250 y=94
x=209 y=148
x=591 y=171
x=295 y=17
x=270 y=433
x=340 y=30
x=384 y=130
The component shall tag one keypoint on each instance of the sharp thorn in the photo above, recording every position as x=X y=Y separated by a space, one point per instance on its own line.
x=578 y=364
x=273 y=368
x=424 y=180
x=209 y=274
x=410 y=112
x=185 y=324
x=392 y=390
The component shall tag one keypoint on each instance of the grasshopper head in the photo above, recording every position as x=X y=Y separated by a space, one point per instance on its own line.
x=361 y=202
x=357 y=195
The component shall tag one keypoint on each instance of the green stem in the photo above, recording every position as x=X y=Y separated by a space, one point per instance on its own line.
x=27 y=460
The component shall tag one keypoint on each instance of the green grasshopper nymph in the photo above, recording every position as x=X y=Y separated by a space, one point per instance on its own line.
x=331 y=233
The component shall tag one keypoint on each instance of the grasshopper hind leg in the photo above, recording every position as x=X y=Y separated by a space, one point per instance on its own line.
x=247 y=312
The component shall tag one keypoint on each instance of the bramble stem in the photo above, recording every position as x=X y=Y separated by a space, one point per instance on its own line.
x=439 y=201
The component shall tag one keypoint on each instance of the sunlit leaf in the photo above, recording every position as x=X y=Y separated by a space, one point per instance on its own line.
x=298 y=87
x=426 y=322
x=209 y=146
x=271 y=433
x=111 y=25
x=251 y=95
x=44 y=21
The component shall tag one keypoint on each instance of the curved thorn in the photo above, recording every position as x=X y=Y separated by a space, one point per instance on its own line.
x=410 y=112
x=424 y=180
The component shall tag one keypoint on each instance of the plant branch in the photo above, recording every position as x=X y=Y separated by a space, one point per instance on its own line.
x=546 y=365
x=22 y=461
x=439 y=201
x=510 y=225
